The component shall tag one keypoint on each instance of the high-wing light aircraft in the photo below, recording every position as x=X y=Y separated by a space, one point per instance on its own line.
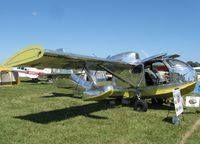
x=155 y=77
x=35 y=73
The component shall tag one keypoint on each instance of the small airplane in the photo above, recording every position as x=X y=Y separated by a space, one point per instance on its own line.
x=197 y=69
x=35 y=73
x=155 y=77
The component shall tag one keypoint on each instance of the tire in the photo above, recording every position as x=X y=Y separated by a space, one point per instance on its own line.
x=141 y=105
x=35 y=80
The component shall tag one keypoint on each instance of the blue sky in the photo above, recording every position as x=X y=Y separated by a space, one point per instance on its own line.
x=102 y=27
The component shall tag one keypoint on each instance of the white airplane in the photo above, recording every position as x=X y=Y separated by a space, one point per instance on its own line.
x=34 y=73
x=197 y=69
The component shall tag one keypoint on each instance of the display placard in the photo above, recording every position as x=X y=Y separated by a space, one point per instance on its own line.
x=192 y=101
x=178 y=101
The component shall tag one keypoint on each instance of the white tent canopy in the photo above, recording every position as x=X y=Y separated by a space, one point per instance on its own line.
x=8 y=78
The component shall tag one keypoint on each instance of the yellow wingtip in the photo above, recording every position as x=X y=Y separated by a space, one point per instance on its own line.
x=25 y=55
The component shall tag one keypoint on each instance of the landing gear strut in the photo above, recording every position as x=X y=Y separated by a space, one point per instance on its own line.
x=157 y=101
x=140 y=105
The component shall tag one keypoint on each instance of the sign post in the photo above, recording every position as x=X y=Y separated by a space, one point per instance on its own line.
x=178 y=103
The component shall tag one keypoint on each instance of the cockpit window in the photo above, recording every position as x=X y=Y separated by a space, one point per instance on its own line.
x=176 y=63
x=156 y=73
x=137 y=69
x=180 y=72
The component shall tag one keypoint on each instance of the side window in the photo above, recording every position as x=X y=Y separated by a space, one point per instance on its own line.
x=137 y=69
x=161 y=71
x=156 y=73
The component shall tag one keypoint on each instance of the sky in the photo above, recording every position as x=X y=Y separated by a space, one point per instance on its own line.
x=102 y=27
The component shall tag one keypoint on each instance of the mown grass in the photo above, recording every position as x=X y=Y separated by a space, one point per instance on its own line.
x=43 y=114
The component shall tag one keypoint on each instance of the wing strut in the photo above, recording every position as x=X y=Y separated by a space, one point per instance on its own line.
x=116 y=75
x=78 y=80
x=89 y=76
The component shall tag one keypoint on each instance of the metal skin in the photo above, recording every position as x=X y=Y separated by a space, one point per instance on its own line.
x=128 y=71
x=181 y=75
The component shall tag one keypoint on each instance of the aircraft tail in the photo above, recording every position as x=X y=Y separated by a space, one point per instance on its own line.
x=90 y=91
x=73 y=82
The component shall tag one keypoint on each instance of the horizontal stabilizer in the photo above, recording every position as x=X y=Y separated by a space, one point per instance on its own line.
x=67 y=84
x=81 y=82
x=73 y=82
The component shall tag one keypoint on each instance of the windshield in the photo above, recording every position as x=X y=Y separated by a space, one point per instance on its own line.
x=180 y=72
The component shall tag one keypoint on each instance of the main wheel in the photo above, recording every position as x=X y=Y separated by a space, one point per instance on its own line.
x=141 y=105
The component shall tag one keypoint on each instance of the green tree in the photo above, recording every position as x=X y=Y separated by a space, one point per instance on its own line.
x=193 y=64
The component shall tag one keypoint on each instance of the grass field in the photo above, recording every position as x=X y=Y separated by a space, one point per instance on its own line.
x=43 y=114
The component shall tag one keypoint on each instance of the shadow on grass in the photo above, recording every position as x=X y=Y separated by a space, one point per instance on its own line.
x=67 y=113
x=29 y=81
x=82 y=110
x=44 y=82
x=160 y=107
x=168 y=120
x=193 y=112
x=54 y=95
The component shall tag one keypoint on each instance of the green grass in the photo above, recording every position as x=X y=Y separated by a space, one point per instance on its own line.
x=43 y=114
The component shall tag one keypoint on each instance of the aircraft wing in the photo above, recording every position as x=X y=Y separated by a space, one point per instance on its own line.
x=152 y=58
x=25 y=55
x=36 y=56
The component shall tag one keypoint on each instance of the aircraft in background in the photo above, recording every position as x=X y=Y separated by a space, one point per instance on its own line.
x=35 y=73
x=197 y=69
x=155 y=77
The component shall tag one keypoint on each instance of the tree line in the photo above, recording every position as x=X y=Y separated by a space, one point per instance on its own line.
x=193 y=64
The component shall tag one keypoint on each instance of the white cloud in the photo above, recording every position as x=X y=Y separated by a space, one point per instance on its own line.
x=34 y=13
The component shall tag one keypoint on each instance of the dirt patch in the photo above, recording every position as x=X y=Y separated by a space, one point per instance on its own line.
x=189 y=132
